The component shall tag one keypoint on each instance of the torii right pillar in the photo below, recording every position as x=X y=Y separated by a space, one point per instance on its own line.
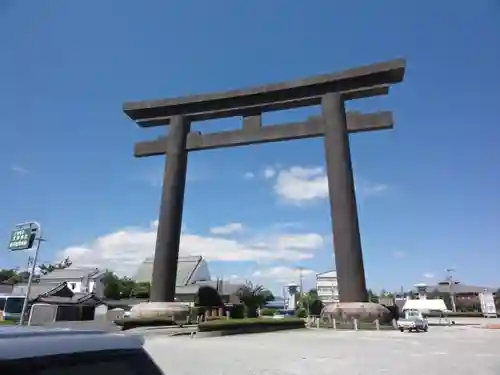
x=343 y=208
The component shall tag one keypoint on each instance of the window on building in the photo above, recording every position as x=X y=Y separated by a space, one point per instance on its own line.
x=72 y=286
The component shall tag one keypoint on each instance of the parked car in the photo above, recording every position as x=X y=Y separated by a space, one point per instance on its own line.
x=52 y=351
x=413 y=321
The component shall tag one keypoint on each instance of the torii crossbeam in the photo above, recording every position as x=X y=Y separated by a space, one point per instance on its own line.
x=330 y=91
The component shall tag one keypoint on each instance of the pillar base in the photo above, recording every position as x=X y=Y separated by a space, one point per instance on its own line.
x=176 y=311
x=363 y=311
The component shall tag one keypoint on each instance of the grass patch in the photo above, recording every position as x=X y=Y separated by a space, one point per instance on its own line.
x=251 y=325
x=7 y=322
x=129 y=323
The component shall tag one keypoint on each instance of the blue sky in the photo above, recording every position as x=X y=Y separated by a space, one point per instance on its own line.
x=427 y=191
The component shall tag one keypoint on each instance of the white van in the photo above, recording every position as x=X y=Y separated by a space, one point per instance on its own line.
x=11 y=307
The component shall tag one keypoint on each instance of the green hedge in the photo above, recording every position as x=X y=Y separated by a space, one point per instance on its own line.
x=237 y=311
x=251 y=325
x=129 y=323
x=301 y=313
x=268 y=312
x=458 y=314
x=212 y=318
x=7 y=322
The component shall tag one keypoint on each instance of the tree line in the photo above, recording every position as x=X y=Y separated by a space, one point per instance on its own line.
x=254 y=296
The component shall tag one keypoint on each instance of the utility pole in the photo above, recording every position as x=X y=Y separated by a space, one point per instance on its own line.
x=27 y=236
x=451 y=283
x=301 y=280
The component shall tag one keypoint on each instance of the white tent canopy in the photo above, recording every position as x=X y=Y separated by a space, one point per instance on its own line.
x=425 y=305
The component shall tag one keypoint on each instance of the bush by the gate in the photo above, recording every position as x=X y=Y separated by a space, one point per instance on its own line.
x=458 y=314
x=251 y=325
x=129 y=323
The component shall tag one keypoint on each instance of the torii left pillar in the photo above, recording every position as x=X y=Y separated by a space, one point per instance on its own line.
x=171 y=208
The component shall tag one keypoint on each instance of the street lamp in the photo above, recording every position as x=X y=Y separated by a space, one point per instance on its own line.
x=24 y=237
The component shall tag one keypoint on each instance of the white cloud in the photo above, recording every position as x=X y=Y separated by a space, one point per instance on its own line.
x=429 y=275
x=249 y=176
x=298 y=185
x=269 y=172
x=283 y=274
x=288 y=225
x=308 y=241
x=122 y=251
x=16 y=168
x=227 y=229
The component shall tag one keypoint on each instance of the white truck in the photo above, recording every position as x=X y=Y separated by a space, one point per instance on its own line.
x=413 y=321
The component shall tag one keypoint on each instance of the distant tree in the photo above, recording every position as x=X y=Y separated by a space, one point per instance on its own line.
x=254 y=297
x=11 y=276
x=372 y=296
x=141 y=290
x=208 y=297
x=128 y=288
x=124 y=287
x=112 y=286
x=7 y=274
x=385 y=293
x=311 y=303
x=49 y=267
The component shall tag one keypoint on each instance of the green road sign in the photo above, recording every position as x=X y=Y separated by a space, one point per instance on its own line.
x=21 y=239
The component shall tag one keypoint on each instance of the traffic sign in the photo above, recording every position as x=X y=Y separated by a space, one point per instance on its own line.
x=21 y=239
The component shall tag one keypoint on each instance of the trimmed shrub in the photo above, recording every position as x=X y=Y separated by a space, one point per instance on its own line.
x=129 y=323
x=251 y=312
x=211 y=318
x=208 y=297
x=458 y=314
x=301 y=313
x=316 y=307
x=268 y=312
x=251 y=325
x=237 y=311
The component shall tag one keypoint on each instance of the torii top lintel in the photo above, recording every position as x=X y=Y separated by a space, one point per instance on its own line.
x=355 y=83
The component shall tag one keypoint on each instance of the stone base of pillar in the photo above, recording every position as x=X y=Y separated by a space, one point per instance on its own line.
x=175 y=311
x=362 y=311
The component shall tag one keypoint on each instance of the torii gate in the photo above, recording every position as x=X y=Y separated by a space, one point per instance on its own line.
x=330 y=91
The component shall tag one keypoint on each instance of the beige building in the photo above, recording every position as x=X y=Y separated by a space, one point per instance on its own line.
x=192 y=273
x=327 y=287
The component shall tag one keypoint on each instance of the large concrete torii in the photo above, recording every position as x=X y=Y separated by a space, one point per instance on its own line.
x=334 y=125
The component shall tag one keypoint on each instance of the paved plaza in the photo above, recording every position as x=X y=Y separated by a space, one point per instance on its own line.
x=455 y=350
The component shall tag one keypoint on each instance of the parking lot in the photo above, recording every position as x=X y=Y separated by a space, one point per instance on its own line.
x=457 y=350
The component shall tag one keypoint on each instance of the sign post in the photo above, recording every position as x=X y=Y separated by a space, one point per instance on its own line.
x=27 y=236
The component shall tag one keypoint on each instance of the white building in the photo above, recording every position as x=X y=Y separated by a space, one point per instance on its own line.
x=79 y=280
x=327 y=287
x=190 y=270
